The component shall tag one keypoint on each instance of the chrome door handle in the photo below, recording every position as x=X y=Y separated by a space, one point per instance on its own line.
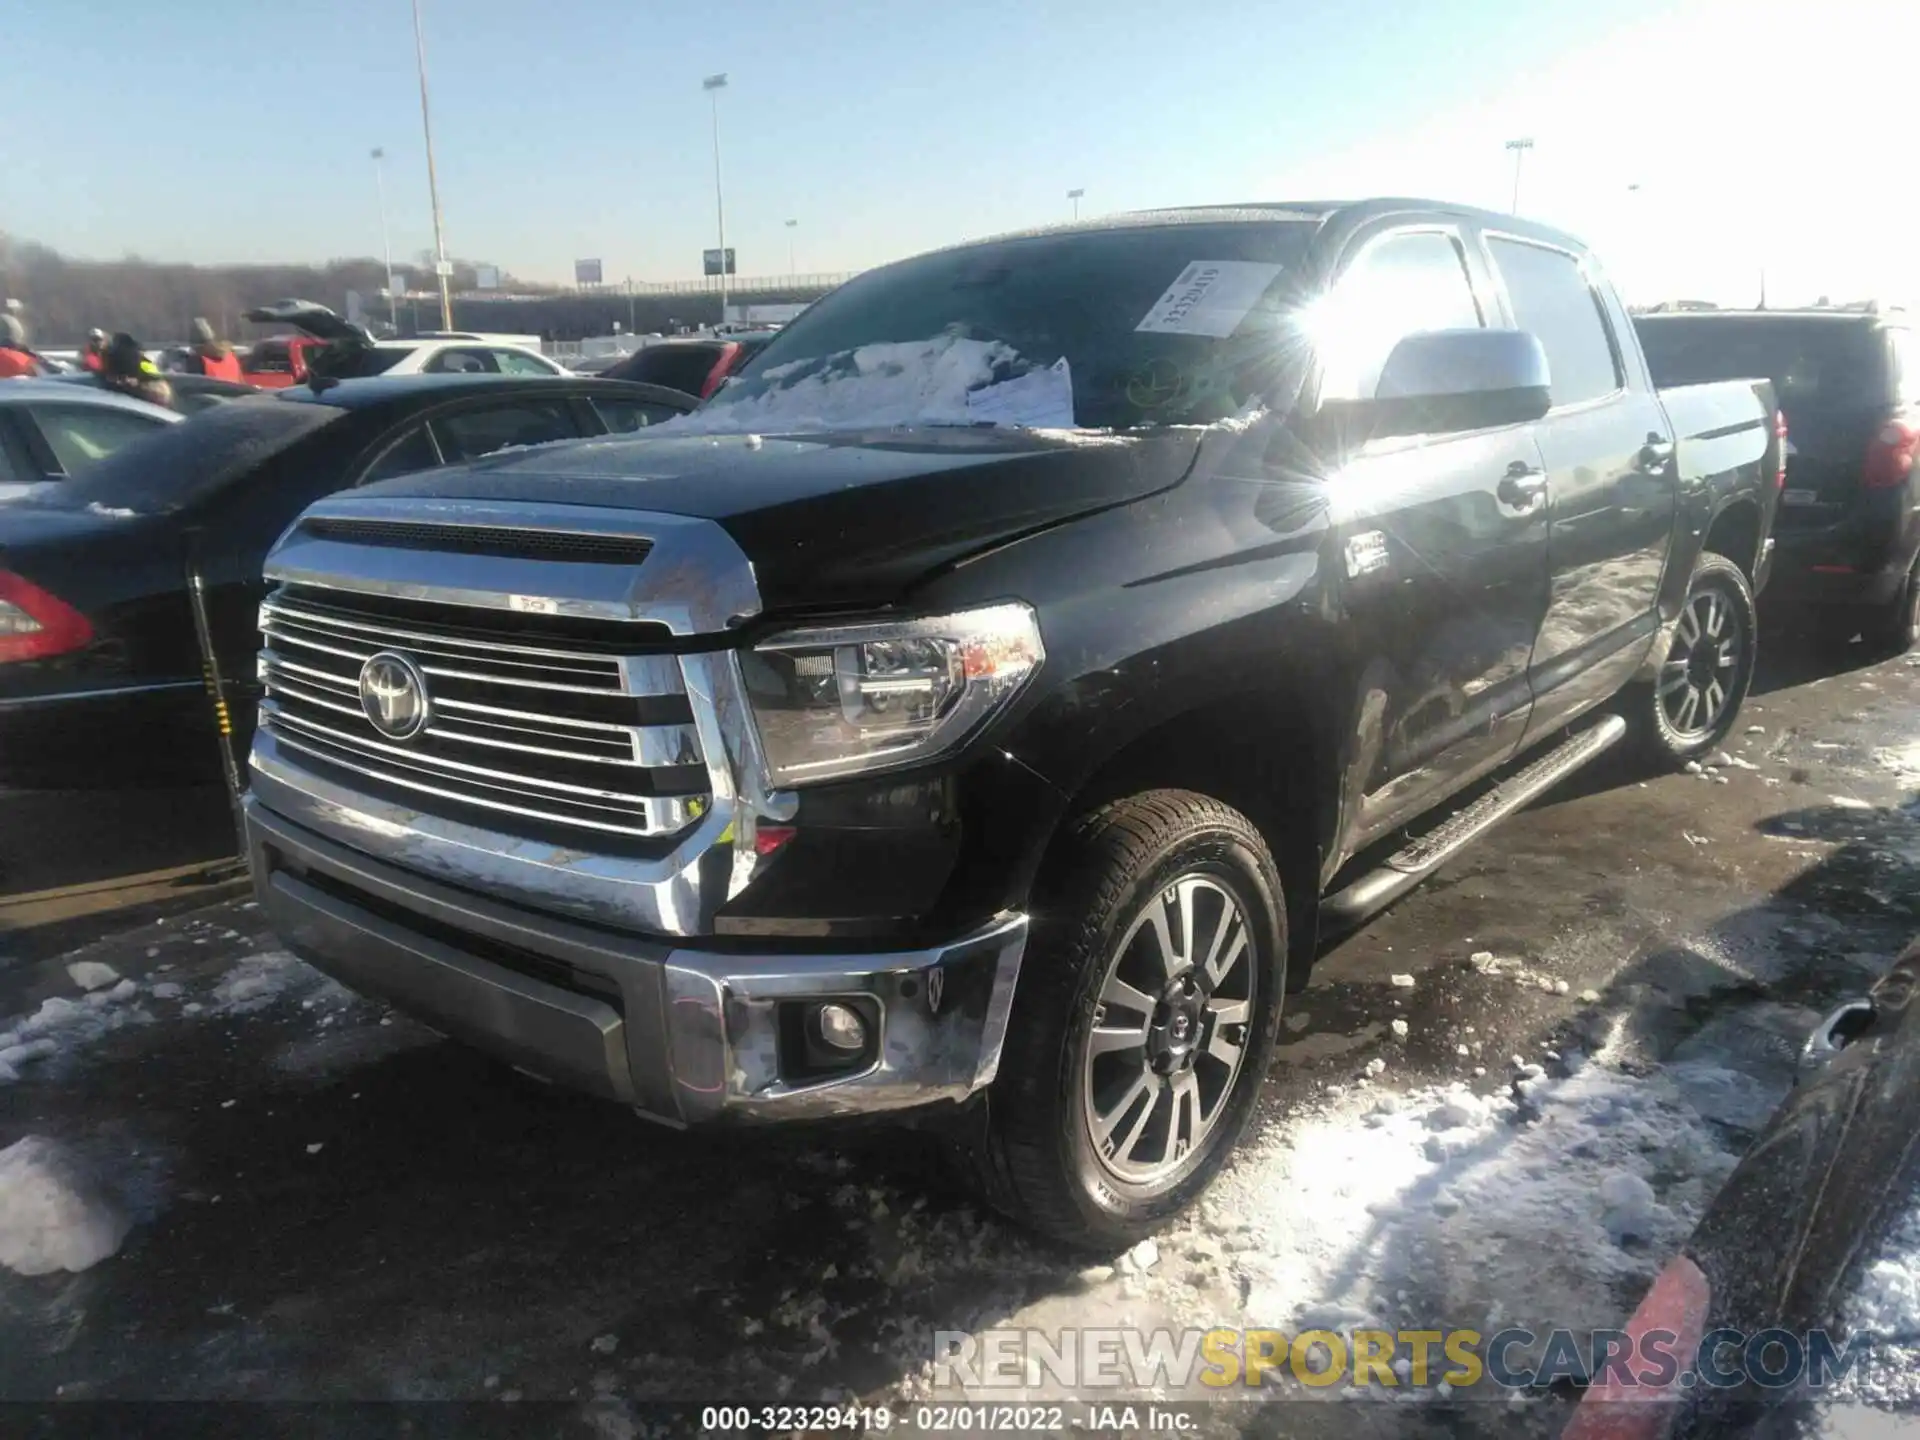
x=1522 y=485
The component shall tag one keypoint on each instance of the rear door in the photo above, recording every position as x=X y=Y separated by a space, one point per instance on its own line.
x=1445 y=568
x=1611 y=496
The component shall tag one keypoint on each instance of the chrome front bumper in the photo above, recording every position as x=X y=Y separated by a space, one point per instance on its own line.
x=687 y=1036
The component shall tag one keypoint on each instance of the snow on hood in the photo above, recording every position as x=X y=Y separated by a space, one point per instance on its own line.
x=948 y=380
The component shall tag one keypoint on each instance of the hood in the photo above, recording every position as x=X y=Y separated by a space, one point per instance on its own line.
x=837 y=520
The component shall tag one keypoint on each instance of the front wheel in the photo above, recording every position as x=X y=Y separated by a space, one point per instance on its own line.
x=1706 y=666
x=1144 y=1020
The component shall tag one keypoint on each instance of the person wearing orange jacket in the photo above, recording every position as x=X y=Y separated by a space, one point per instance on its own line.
x=93 y=350
x=210 y=356
x=15 y=358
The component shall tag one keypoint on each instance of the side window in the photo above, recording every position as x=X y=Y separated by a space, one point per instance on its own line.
x=461 y=362
x=1906 y=364
x=1552 y=298
x=1401 y=285
x=80 y=434
x=16 y=466
x=518 y=362
x=472 y=433
x=623 y=417
x=412 y=452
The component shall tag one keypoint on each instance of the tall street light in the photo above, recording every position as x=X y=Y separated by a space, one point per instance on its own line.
x=386 y=248
x=1075 y=197
x=440 y=265
x=713 y=85
x=792 y=267
x=1519 y=148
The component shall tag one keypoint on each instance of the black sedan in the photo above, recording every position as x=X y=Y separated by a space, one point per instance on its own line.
x=100 y=670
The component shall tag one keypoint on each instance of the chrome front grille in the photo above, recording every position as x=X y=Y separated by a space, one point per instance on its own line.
x=572 y=735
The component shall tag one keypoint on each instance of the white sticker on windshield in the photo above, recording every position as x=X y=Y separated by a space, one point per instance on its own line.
x=1040 y=399
x=1211 y=297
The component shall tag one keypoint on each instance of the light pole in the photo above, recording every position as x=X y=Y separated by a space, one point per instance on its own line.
x=1075 y=196
x=441 y=268
x=713 y=85
x=386 y=248
x=1519 y=148
x=793 y=268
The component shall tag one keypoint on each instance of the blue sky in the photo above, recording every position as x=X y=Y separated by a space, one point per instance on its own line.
x=240 y=130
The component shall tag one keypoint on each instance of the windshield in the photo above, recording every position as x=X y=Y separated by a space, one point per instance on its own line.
x=1817 y=358
x=179 y=463
x=1148 y=325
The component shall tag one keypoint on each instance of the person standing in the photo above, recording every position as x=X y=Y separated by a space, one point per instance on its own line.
x=210 y=355
x=125 y=368
x=16 y=360
x=91 y=352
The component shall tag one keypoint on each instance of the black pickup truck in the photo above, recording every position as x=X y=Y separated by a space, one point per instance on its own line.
x=988 y=701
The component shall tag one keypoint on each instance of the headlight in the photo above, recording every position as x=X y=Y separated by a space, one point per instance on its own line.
x=846 y=700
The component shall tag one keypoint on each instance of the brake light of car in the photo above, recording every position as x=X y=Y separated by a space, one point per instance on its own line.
x=729 y=357
x=1890 y=456
x=35 y=625
x=1780 y=434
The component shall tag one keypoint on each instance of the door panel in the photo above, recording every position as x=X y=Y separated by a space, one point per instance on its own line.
x=1608 y=451
x=1446 y=585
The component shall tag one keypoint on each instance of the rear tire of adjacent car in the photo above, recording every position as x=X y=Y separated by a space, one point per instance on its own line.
x=1143 y=1022
x=1704 y=671
x=1894 y=628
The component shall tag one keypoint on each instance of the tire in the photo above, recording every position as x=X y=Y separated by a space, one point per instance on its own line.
x=1163 y=853
x=1894 y=628
x=1668 y=731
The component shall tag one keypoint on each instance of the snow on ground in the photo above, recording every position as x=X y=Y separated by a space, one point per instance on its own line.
x=54 y=1213
x=941 y=381
x=1885 y=1306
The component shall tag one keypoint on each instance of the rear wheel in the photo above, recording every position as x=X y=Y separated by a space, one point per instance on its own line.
x=1705 y=667
x=1144 y=1021
x=1894 y=628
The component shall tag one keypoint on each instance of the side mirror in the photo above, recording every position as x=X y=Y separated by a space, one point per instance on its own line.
x=1446 y=381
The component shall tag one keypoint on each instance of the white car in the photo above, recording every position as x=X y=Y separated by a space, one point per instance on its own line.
x=354 y=354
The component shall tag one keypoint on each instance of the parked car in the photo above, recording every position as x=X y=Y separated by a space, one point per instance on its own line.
x=1849 y=386
x=696 y=365
x=100 y=675
x=347 y=352
x=52 y=428
x=1784 y=1244
x=191 y=393
x=278 y=361
x=1016 y=669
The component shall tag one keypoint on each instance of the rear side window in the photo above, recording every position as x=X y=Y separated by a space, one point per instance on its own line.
x=462 y=362
x=518 y=362
x=473 y=433
x=1401 y=285
x=623 y=417
x=1552 y=299
x=411 y=452
x=79 y=435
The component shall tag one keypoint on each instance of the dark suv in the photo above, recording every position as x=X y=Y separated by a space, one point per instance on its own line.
x=1849 y=386
x=693 y=365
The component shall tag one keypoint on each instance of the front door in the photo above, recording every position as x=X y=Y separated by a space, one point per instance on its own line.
x=1441 y=544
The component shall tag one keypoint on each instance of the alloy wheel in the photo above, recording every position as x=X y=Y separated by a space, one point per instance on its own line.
x=1170 y=1029
x=1697 y=678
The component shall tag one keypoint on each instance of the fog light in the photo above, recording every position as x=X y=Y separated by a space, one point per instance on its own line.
x=841 y=1027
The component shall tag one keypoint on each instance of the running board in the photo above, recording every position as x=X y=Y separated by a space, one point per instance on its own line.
x=1407 y=867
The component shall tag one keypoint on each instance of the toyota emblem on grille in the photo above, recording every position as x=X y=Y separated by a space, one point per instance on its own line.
x=393 y=693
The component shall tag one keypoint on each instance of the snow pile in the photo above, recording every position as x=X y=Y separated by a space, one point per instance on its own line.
x=1551 y=1205
x=54 y=1215
x=61 y=1024
x=948 y=380
x=260 y=980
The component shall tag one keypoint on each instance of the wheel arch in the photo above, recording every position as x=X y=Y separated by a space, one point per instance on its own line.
x=1734 y=532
